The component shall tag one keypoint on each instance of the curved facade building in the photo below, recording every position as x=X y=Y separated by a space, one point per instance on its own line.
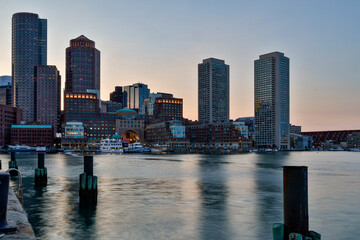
x=82 y=65
x=29 y=49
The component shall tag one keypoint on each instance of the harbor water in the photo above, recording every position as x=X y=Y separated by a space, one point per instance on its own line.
x=189 y=196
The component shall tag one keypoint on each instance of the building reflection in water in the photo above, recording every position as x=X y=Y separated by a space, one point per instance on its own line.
x=213 y=195
x=268 y=191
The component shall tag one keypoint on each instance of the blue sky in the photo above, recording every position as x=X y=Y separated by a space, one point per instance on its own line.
x=160 y=43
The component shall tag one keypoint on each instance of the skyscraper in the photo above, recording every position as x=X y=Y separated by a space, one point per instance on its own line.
x=82 y=65
x=213 y=90
x=135 y=95
x=47 y=96
x=272 y=125
x=29 y=49
x=117 y=95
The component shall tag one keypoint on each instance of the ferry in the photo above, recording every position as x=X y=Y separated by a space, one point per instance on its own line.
x=136 y=147
x=112 y=145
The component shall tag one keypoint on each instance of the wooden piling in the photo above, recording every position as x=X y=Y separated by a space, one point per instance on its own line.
x=88 y=183
x=41 y=172
x=296 y=216
x=13 y=164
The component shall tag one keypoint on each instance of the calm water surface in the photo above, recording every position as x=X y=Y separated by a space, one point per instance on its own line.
x=190 y=196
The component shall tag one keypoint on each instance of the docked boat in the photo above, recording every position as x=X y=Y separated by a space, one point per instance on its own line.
x=136 y=147
x=20 y=148
x=112 y=145
x=41 y=149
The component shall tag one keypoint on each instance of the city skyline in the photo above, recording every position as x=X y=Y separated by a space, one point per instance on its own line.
x=323 y=87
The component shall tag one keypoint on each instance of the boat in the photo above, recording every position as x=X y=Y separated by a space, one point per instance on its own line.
x=136 y=147
x=336 y=149
x=41 y=149
x=20 y=148
x=112 y=145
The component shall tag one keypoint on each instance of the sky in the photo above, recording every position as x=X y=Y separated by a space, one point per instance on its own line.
x=160 y=43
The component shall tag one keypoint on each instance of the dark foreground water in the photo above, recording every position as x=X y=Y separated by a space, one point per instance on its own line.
x=190 y=196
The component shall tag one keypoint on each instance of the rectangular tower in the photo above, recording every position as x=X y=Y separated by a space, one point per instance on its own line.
x=272 y=121
x=29 y=49
x=213 y=90
x=47 y=96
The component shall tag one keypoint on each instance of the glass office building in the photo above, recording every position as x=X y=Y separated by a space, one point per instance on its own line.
x=213 y=90
x=29 y=49
x=272 y=123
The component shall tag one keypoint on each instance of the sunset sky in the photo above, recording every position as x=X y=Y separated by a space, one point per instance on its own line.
x=160 y=43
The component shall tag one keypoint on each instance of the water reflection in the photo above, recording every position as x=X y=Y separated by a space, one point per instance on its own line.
x=268 y=190
x=214 y=223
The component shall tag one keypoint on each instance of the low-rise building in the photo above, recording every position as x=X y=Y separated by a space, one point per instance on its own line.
x=295 y=129
x=300 y=142
x=74 y=135
x=32 y=135
x=353 y=140
x=217 y=135
x=171 y=134
x=8 y=116
x=129 y=126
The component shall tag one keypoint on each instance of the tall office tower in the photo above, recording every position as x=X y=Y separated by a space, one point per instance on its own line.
x=29 y=49
x=117 y=95
x=213 y=90
x=272 y=126
x=82 y=65
x=135 y=95
x=47 y=95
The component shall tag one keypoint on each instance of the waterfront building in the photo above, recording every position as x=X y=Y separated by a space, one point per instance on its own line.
x=82 y=65
x=213 y=90
x=295 y=129
x=130 y=126
x=300 y=142
x=170 y=134
x=320 y=137
x=84 y=107
x=163 y=106
x=29 y=49
x=135 y=95
x=8 y=116
x=47 y=95
x=74 y=135
x=117 y=96
x=272 y=126
x=250 y=123
x=217 y=135
x=353 y=140
x=32 y=135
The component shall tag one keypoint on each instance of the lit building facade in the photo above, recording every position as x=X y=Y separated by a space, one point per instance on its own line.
x=272 y=120
x=29 y=49
x=74 y=135
x=8 y=116
x=47 y=95
x=213 y=90
x=82 y=65
x=129 y=126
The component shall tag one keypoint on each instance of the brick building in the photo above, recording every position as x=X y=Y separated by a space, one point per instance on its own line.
x=8 y=116
x=32 y=135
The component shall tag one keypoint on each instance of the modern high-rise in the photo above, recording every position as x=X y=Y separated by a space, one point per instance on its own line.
x=213 y=90
x=29 y=49
x=135 y=95
x=272 y=121
x=48 y=95
x=82 y=65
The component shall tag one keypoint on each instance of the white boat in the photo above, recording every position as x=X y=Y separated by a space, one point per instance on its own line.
x=136 y=147
x=112 y=145
x=41 y=149
x=20 y=148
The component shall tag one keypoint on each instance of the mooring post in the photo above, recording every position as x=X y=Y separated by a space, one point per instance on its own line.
x=88 y=183
x=4 y=191
x=0 y=165
x=296 y=216
x=13 y=164
x=41 y=172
